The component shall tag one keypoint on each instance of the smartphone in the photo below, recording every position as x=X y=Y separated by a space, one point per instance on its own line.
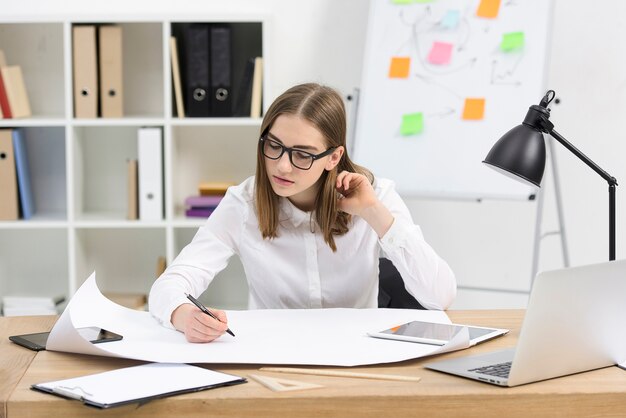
x=435 y=333
x=37 y=341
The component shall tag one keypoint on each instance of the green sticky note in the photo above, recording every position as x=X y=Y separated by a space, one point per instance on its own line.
x=412 y=123
x=402 y=1
x=512 y=41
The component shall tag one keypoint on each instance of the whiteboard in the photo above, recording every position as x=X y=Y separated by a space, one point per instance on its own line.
x=453 y=55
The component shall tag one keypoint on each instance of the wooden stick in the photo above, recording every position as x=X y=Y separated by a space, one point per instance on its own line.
x=338 y=373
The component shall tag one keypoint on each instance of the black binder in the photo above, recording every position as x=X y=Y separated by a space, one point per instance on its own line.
x=243 y=100
x=196 y=63
x=221 y=63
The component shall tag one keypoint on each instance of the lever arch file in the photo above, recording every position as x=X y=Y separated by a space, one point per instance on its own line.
x=197 y=103
x=221 y=97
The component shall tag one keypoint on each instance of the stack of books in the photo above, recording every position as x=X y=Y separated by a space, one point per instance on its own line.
x=31 y=305
x=210 y=195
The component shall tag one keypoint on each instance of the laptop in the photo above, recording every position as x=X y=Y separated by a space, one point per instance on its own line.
x=574 y=322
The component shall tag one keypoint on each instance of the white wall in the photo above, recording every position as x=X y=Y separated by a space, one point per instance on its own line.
x=488 y=244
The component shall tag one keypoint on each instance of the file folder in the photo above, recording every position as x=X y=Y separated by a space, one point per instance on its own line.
x=197 y=70
x=84 y=63
x=221 y=64
x=15 y=90
x=9 y=210
x=27 y=204
x=150 y=156
x=111 y=78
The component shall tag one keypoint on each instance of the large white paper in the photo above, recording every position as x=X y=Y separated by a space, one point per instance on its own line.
x=334 y=337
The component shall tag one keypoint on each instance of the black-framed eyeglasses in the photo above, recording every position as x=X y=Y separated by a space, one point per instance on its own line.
x=299 y=158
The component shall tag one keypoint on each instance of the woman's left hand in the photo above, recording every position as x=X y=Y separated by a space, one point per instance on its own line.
x=359 y=198
x=357 y=191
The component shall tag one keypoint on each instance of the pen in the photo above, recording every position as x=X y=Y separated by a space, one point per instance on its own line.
x=206 y=311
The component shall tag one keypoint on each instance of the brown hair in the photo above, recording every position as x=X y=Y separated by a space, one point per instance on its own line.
x=323 y=107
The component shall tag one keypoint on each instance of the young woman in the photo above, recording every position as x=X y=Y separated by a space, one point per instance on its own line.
x=308 y=227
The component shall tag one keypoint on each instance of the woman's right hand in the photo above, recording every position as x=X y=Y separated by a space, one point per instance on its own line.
x=197 y=326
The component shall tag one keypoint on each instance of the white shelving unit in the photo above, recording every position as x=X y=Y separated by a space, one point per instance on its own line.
x=78 y=166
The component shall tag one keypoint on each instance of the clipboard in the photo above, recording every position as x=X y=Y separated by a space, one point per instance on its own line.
x=138 y=384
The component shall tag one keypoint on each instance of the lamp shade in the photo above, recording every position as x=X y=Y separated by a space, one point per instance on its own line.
x=520 y=154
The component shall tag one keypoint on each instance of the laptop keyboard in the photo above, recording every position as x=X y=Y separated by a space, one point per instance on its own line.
x=499 y=370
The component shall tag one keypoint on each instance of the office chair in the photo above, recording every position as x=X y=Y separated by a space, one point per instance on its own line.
x=391 y=290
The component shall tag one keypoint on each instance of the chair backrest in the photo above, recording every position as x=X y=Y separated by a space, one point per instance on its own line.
x=391 y=290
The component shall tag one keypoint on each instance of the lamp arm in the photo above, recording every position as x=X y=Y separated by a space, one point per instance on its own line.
x=606 y=176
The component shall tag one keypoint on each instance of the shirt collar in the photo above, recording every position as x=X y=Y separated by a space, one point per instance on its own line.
x=291 y=213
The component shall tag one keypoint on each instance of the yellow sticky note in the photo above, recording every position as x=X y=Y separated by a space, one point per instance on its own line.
x=474 y=109
x=399 y=67
x=488 y=9
x=412 y=123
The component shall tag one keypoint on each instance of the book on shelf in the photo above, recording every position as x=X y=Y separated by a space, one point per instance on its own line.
x=4 y=100
x=31 y=305
x=208 y=188
x=257 y=89
x=27 y=203
x=243 y=100
x=9 y=207
x=198 y=212
x=209 y=201
x=15 y=92
x=178 y=92
x=132 y=189
x=111 y=78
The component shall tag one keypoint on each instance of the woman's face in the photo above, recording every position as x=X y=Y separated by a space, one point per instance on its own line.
x=299 y=186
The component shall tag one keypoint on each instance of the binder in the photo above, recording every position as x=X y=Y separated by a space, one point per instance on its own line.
x=138 y=384
x=150 y=161
x=178 y=92
x=197 y=75
x=221 y=64
x=25 y=192
x=111 y=92
x=132 y=189
x=84 y=62
x=241 y=107
x=15 y=91
x=8 y=182
x=257 y=86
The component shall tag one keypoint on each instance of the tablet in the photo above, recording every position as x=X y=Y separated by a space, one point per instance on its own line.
x=435 y=333
x=37 y=341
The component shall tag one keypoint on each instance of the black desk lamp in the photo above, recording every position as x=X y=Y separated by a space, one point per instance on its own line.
x=521 y=154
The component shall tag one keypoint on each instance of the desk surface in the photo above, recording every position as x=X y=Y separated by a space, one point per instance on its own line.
x=599 y=392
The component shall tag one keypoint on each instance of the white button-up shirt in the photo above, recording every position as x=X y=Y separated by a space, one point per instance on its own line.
x=297 y=269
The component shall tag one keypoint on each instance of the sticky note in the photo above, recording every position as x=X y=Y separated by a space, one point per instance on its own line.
x=488 y=9
x=440 y=53
x=474 y=109
x=451 y=19
x=402 y=1
x=399 y=67
x=412 y=123
x=512 y=41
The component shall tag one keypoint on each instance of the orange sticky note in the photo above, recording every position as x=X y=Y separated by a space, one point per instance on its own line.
x=488 y=9
x=399 y=67
x=440 y=53
x=474 y=109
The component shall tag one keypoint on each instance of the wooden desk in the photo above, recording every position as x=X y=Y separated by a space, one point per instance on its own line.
x=14 y=360
x=600 y=392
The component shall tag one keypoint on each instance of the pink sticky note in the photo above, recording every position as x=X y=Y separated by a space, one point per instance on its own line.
x=440 y=53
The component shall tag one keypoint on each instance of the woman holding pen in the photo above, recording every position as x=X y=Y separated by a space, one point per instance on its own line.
x=308 y=227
